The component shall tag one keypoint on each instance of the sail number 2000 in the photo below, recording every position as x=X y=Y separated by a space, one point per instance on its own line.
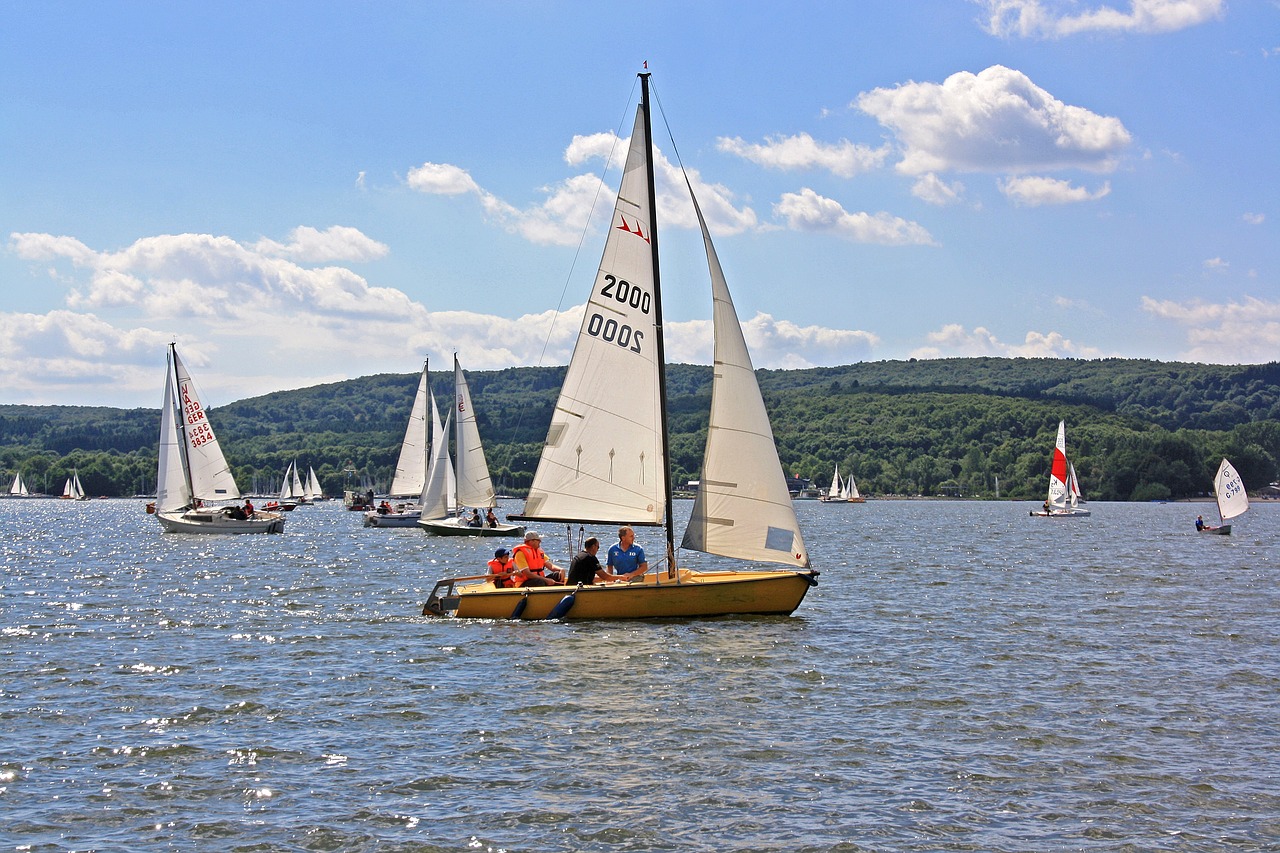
x=611 y=330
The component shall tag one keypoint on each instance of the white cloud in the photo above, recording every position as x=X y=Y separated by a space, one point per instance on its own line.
x=774 y=344
x=993 y=121
x=335 y=243
x=1244 y=332
x=933 y=190
x=441 y=179
x=802 y=151
x=1216 y=264
x=1050 y=18
x=953 y=340
x=1254 y=218
x=809 y=211
x=1037 y=191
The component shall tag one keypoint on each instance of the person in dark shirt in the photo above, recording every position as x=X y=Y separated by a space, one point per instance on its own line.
x=585 y=568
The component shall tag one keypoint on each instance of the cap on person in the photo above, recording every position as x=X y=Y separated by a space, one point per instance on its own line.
x=531 y=535
x=500 y=553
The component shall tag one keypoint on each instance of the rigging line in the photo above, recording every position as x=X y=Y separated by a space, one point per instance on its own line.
x=582 y=238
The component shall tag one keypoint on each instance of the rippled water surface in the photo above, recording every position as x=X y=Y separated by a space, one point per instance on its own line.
x=963 y=678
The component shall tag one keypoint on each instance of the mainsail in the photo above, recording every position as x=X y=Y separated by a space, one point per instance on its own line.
x=1233 y=500
x=603 y=459
x=173 y=491
x=211 y=478
x=1058 y=470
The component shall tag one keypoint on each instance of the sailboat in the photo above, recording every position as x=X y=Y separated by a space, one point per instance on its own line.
x=193 y=471
x=1232 y=499
x=606 y=464
x=290 y=496
x=19 y=489
x=73 y=490
x=471 y=475
x=1064 y=498
x=842 y=491
x=412 y=465
x=314 y=492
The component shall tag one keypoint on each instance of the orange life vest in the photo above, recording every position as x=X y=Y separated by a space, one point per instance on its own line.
x=534 y=558
x=497 y=567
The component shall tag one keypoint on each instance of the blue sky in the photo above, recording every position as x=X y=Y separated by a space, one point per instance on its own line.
x=306 y=192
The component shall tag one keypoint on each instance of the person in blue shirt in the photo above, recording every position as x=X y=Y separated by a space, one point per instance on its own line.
x=626 y=559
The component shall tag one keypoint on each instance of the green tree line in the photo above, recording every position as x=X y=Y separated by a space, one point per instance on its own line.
x=1136 y=429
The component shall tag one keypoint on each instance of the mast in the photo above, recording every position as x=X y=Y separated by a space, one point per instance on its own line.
x=668 y=523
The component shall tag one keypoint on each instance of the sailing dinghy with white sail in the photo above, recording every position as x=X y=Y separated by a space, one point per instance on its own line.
x=410 y=478
x=842 y=491
x=193 y=473
x=471 y=475
x=1064 y=491
x=1233 y=500
x=73 y=490
x=605 y=465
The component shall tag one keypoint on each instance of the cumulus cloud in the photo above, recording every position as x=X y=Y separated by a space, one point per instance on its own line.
x=335 y=243
x=809 y=211
x=993 y=121
x=933 y=190
x=260 y=322
x=1243 y=332
x=1053 y=18
x=802 y=151
x=1037 y=191
x=562 y=215
x=953 y=340
x=1254 y=218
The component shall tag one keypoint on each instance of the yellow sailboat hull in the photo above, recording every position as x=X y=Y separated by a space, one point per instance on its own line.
x=693 y=594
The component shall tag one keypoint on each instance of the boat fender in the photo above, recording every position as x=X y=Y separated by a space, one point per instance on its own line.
x=812 y=578
x=565 y=605
x=520 y=605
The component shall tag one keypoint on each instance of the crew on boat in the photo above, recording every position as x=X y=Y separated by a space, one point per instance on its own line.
x=502 y=564
x=626 y=559
x=489 y=518
x=1199 y=522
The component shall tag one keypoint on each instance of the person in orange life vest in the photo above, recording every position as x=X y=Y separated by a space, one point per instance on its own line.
x=533 y=567
x=502 y=564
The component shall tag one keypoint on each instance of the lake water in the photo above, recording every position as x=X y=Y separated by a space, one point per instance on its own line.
x=964 y=677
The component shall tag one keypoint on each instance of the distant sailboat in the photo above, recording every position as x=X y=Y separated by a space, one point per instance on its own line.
x=19 y=488
x=73 y=490
x=1062 y=501
x=192 y=470
x=410 y=478
x=842 y=491
x=471 y=471
x=1233 y=500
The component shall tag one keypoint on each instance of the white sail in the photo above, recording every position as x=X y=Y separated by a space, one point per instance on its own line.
x=211 y=478
x=66 y=489
x=1073 y=486
x=286 y=485
x=173 y=492
x=475 y=488
x=313 y=483
x=1058 y=470
x=603 y=458
x=411 y=467
x=440 y=441
x=1233 y=500
x=743 y=508
x=437 y=500
x=851 y=489
x=296 y=486
x=833 y=493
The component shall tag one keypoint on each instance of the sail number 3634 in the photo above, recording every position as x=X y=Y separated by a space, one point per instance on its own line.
x=611 y=330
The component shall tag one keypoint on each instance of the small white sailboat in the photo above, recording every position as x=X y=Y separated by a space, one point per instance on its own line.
x=410 y=478
x=605 y=464
x=1232 y=499
x=842 y=491
x=192 y=471
x=471 y=473
x=73 y=490
x=313 y=486
x=1063 y=501
x=19 y=488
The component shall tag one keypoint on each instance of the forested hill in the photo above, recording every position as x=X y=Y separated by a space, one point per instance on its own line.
x=1136 y=429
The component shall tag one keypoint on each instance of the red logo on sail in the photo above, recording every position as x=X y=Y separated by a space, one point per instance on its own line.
x=625 y=227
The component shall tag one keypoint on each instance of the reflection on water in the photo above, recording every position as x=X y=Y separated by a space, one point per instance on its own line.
x=964 y=677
